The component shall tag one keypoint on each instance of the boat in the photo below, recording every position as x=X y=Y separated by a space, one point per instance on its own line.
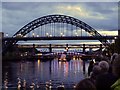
x=63 y=58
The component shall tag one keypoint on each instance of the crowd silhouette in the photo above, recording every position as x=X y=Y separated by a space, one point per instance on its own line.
x=102 y=75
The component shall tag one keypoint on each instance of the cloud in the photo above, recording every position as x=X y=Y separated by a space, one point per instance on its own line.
x=80 y=11
x=93 y=14
x=17 y=14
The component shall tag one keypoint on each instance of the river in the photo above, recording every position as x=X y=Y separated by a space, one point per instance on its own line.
x=42 y=73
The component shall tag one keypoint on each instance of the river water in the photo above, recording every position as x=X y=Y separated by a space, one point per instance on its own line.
x=43 y=73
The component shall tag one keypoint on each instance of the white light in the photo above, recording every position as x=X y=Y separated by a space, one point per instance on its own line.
x=37 y=35
x=115 y=37
x=50 y=35
x=25 y=36
x=19 y=35
x=61 y=33
x=6 y=34
x=33 y=34
x=76 y=33
x=47 y=34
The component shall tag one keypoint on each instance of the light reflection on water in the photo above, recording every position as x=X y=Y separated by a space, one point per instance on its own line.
x=39 y=72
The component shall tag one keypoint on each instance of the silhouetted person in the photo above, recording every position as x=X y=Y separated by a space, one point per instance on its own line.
x=116 y=71
x=85 y=84
x=90 y=67
x=112 y=60
x=105 y=79
x=96 y=71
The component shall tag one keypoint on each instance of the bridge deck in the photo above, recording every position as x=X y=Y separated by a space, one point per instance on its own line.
x=61 y=46
x=60 y=38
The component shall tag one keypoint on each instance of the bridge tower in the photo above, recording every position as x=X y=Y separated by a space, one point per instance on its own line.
x=50 y=48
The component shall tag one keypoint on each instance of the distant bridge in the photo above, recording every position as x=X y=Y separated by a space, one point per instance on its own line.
x=61 y=46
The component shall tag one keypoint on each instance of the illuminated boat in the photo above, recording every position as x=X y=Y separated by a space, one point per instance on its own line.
x=63 y=58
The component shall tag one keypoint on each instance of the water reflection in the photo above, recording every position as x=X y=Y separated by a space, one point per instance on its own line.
x=41 y=74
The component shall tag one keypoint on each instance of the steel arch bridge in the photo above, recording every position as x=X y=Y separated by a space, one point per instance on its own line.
x=56 y=19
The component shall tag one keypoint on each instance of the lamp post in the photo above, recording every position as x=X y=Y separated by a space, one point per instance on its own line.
x=47 y=34
x=6 y=34
x=33 y=34
x=61 y=34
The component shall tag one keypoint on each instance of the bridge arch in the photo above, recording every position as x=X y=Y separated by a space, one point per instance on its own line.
x=57 y=19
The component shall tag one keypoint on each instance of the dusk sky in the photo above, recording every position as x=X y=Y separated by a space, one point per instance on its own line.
x=102 y=16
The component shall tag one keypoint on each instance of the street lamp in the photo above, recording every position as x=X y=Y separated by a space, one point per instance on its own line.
x=33 y=34
x=61 y=34
x=19 y=35
x=76 y=34
x=115 y=38
x=50 y=35
x=37 y=35
x=47 y=34
x=6 y=35
x=25 y=36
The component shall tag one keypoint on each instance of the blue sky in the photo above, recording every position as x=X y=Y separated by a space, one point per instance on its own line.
x=103 y=16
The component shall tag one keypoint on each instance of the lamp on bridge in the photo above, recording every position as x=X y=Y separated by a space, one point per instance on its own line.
x=50 y=35
x=37 y=35
x=19 y=35
x=61 y=34
x=6 y=34
x=47 y=34
x=66 y=49
x=33 y=34
x=25 y=36
x=76 y=34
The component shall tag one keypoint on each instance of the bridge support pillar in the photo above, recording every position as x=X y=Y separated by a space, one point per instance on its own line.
x=83 y=48
x=66 y=47
x=84 y=60
x=50 y=48
x=33 y=51
x=90 y=50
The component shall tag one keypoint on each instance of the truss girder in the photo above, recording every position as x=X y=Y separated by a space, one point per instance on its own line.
x=57 y=19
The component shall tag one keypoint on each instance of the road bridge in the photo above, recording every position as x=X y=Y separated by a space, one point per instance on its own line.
x=55 y=27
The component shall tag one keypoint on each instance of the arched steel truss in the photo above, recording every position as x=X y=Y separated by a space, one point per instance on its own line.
x=58 y=19
x=53 y=19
